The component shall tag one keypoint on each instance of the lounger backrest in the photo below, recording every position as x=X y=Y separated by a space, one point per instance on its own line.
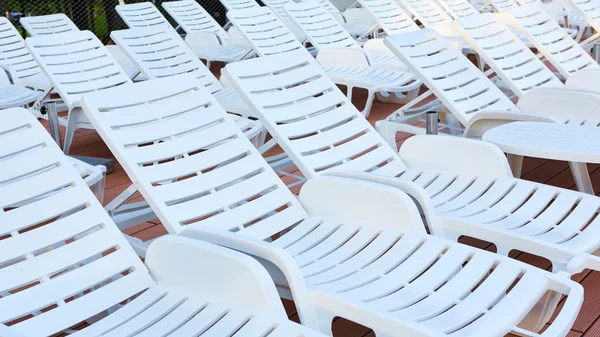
x=62 y=259
x=232 y=5
x=310 y=117
x=191 y=17
x=14 y=53
x=565 y=54
x=141 y=15
x=48 y=24
x=277 y=6
x=428 y=12
x=459 y=8
x=189 y=160
x=448 y=73
x=510 y=58
x=321 y=28
x=161 y=52
x=325 y=4
x=390 y=16
x=503 y=5
x=589 y=10
x=77 y=63
x=264 y=31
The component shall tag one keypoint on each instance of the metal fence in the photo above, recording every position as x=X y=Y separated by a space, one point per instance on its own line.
x=99 y=16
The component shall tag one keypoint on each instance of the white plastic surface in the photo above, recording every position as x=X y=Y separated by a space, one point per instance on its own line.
x=564 y=53
x=510 y=58
x=428 y=12
x=70 y=263
x=448 y=73
x=191 y=17
x=268 y=35
x=390 y=16
x=324 y=133
x=48 y=24
x=243 y=203
x=459 y=8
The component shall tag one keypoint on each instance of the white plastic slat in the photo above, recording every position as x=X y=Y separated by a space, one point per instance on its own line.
x=321 y=28
x=264 y=31
x=48 y=24
x=198 y=138
x=411 y=48
x=191 y=17
x=233 y=5
x=77 y=63
x=564 y=53
x=428 y=12
x=459 y=8
x=512 y=60
x=161 y=52
x=390 y=16
x=312 y=138
x=142 y=14
x=14 y=53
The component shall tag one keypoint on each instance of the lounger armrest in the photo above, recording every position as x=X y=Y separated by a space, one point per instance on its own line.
x=454 y=154
x=454 y=228
x=586 y=79
x=194 y=39
x=360 y=201
x=416 y=192
x=561 y=325
x=336 y=57
x=378 y=45
x=270 y=256
x=202 y=267
x=485 y=120
x=10 y=72
x=561 y=102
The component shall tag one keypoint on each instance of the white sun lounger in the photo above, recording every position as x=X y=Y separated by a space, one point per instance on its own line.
x=459 y=8
x=324 y=135
x=323 y=251
x=45 y=25
x=357 y=21
x=269 y=35
x=568 y=57
x=555 y=9
x=518 y=66
x=76 y=63
x=160 y=52
x=325 y=33
x=390 y=16
x=63 y=262
x=206 y=46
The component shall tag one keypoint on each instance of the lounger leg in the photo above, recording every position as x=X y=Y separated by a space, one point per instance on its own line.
x=582 y=177
x=516 y=164
x=368 y=104
x=71 y=127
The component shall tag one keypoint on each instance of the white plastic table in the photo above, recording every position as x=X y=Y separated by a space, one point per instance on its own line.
x=573 y=143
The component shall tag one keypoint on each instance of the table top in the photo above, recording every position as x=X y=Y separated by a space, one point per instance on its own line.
x=567 y=142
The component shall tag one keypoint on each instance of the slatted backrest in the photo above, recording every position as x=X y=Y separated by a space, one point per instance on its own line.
x=62 y=259
x=141 y=15
x=189 y=159
x=448 y=73
x=325 y=4
x=565 y=54
x=321 y=28
x=527 y=2
x=264 y=31
x=14 y=53
x=161 y=52
x=232 y=5
x=310 y=117
x=390 y=17
x=590 y=11
x=48 y=24
x=77 y=63
x=459 y=8
x=277 y=6
x=510 y=58
x=503 y=5
x=428 y=12
x=191 y=17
